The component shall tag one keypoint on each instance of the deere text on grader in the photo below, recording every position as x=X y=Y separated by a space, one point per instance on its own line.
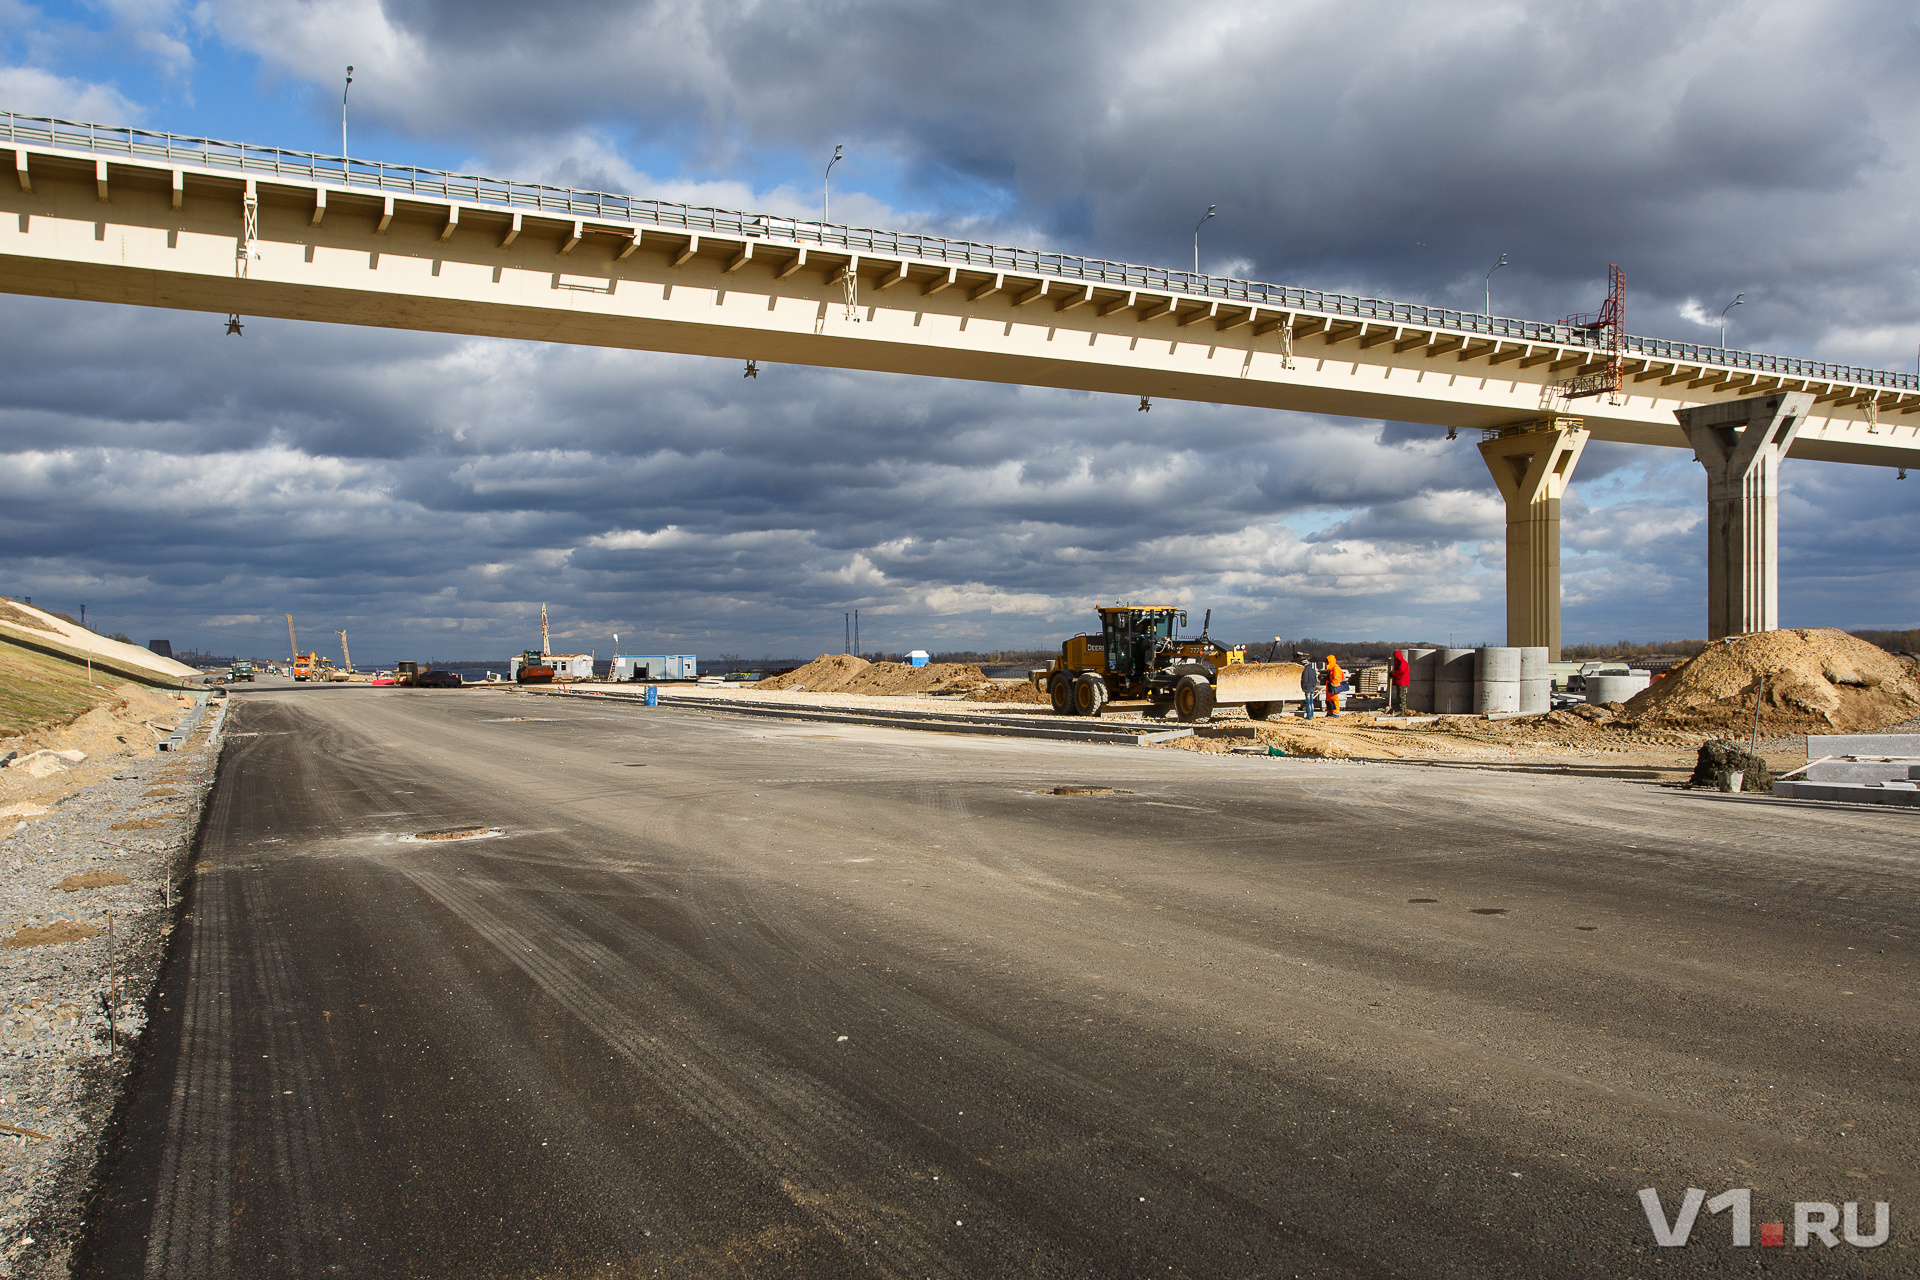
x=1138 y=655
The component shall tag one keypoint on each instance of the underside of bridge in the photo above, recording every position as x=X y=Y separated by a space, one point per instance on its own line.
x=147 y=219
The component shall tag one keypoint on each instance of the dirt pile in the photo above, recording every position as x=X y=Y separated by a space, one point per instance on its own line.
x=1817 y=680
x=843 y=673
x=1011 y=691
x=827 y=672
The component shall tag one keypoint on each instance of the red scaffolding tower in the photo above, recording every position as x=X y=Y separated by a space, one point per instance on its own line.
x=1610 y=327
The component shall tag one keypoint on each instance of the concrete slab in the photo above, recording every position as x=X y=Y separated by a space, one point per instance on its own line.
x=898 y=720
x=1863 y=744
x=1856 y=771
x=1848 y=792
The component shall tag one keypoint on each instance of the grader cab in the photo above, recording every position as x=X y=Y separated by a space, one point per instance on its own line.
x=1139 y=655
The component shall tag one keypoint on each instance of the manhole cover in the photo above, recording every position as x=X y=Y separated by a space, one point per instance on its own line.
x=1085 y=791
x=1489 y=911
x=1423 y=899
x=456 y=833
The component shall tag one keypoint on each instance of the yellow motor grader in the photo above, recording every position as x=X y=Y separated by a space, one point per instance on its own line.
x=1138 y=655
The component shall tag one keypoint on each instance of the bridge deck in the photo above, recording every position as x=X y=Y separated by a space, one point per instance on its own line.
x=127 y=216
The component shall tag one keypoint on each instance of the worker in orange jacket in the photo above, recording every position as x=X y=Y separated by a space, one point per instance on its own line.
x=1336 y=685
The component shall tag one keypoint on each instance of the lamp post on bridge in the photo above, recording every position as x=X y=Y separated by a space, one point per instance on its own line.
x=1739 y=299
x=1495 y=267
x=826 y=192
x=343 y=120
x=1196 y=237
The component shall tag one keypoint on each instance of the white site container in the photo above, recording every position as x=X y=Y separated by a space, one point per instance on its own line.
x=655 y=666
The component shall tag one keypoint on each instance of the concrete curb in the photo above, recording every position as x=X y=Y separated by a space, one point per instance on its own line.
x=185 y=731
x=920 y=720
x=1847 y=792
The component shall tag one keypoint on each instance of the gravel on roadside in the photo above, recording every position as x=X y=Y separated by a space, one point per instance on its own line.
x=88 y=887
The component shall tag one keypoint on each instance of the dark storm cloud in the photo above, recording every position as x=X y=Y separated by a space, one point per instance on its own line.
x=1712 y=148
x=424 y=486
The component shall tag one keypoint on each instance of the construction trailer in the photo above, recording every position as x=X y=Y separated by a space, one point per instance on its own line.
x=655 y=666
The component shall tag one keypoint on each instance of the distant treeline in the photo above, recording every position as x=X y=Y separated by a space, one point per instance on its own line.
x=994 y=657
x=1891 y=641
x=1629 y=649
x=1351 y=653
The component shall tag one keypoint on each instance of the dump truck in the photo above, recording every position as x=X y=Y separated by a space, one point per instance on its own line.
x=1139 y=655
x=303 y=664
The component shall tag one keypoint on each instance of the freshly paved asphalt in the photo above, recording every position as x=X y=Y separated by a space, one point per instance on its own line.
x=729 y=997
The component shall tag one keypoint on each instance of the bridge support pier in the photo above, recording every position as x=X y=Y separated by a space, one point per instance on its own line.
x=1742 y=443
x=1533 y=462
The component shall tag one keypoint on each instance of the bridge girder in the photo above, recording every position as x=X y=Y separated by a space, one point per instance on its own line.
x=167 y=235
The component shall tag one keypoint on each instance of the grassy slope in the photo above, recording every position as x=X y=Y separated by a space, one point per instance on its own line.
x=37 y=690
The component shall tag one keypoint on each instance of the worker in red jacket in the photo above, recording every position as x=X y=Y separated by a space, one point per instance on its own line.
x=1400 y=675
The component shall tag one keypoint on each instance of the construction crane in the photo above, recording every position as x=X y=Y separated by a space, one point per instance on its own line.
x=291 y=642
x=344 y=653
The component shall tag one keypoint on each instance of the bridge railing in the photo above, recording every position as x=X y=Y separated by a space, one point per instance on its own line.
x=247 y=159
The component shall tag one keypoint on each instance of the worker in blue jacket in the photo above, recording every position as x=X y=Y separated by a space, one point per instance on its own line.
x=1309 y=686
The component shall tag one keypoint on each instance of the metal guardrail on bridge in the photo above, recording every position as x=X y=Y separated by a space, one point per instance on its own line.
x=268 y=162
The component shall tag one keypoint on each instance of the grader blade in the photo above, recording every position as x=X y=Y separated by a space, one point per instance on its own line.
x=1242 y=682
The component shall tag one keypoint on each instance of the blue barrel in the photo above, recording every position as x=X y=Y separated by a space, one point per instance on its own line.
x=653 y=695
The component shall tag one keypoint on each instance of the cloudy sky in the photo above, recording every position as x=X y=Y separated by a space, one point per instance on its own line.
x=428 y=493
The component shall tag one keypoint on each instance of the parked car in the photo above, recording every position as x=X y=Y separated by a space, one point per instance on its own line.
x=438 y=680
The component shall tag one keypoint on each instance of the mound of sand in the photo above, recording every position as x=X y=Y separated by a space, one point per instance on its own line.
x=843 y=673
x=1817 y=680
x=1012 y=691
x=828 y=671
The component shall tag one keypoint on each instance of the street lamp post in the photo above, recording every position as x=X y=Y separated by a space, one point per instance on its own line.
x=826 y=194
x=1196 y=237
x=347 y=88
x=1490 y=270
x=1739 y=299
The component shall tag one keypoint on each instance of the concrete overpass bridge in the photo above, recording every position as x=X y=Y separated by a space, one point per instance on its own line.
x=153 y=219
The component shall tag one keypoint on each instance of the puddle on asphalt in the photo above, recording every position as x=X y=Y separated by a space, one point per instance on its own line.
x=453 y=833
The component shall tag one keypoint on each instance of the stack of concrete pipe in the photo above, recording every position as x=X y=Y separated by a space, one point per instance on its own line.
x=1496 y=681
x=1536 y=681
x=1420 y=668
x=1453 y=681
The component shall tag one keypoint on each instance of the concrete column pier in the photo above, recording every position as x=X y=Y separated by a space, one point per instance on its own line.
x=1532 y=463
x=1741 y=443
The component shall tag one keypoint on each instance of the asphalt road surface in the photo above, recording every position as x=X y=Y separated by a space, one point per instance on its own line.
x=731 y=997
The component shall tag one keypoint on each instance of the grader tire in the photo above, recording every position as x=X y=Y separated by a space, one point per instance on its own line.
x=1259 y=710
x=1089 y=695
x=1060 y=693
x=1193 y=699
